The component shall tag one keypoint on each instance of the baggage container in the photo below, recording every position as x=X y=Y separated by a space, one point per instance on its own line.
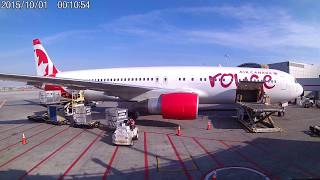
x=117 y=112
x=49 y=97
x=114 y=117
x=81 y=115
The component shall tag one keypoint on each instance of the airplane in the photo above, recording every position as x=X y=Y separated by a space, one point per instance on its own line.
x=175 y=92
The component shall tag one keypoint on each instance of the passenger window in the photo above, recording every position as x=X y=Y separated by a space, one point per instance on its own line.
x=165 y=79
x=147 y=79
x=128 y=79
x=144 y=79
x=124 y=79
x=179 y=79
x=151 y=79
x=200 y=79
x=205 y=79
x=132 y=79
x=139 y=79
x=184 y=79
x=157 y=79
x=192 y=79
x=136 y=79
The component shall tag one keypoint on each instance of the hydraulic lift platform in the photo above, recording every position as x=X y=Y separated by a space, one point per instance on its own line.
x=258 y=116
x=255 y=109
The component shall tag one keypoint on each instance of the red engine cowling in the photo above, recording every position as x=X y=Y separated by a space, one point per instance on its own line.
x=179 y=106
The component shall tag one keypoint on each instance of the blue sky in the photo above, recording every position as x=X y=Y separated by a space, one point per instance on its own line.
x=158 y=33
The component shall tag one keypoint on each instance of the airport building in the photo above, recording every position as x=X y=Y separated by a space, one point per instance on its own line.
x=308 y=75
x=298 y=70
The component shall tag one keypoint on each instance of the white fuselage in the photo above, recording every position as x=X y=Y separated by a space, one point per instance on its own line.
x=214 y=85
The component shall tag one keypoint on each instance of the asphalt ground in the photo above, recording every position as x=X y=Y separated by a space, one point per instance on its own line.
x=228 y=150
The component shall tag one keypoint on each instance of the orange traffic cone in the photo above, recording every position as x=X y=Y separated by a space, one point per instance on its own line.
x=209 y=125
x=179 y=131
x=24 y=139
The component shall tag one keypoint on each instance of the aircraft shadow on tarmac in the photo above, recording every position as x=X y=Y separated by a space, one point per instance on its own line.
x=222 y=119
x=271 y=157
x=155 y=123
x=15 y=121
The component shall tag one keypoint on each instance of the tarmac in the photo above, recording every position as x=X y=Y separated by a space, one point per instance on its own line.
x=227 y=150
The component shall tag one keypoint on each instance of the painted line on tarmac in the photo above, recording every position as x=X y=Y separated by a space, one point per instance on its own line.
x=51 y=154
x=12 y=128
x=108 y=170
x=256 y=165
x=185 y=170
x=27 y=138
x=25 y=130
x=80 y=156
x=145 y=148
x=3 y=102
x=212 y=139
x=296 y=166
x=31 y=148
x=219 y=164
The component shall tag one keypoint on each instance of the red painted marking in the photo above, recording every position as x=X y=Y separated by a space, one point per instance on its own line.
x=42 y=57
x=257 y=166
x=220 y=164
x=266 y=79
x=36 y=41
x=50 y=155
x=28 y=150
x=106 y=173
x=223 y=84
x=212 y=139
x=80 y=156
x=146 y=166
x=186 y=172
x=11 y=128
x=28 y=138
x=21 y=132
x=305 y=172
x=54 y=71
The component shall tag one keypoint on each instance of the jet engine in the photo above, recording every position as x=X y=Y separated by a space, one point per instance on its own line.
x=182 y=106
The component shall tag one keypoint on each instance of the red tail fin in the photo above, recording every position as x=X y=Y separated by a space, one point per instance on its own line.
x=44 y=65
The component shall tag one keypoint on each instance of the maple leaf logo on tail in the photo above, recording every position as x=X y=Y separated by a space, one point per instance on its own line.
x=44 y=65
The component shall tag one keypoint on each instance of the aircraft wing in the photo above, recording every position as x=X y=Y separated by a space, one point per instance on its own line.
x=114 y=89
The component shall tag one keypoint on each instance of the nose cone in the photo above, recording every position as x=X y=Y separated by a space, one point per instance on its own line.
x=299 y=89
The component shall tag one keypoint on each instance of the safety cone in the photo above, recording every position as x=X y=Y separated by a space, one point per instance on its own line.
x=179 y=131
x=24 y=139
x=209 y=125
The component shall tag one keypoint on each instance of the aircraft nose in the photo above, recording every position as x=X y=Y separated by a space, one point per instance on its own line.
x=299 y=89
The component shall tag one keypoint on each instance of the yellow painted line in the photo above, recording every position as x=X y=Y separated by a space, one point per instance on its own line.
x=3 y=102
